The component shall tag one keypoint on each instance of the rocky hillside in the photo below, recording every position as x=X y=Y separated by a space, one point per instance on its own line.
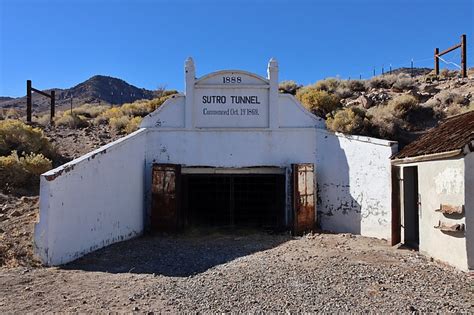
x=394 y=106
x=97 y=89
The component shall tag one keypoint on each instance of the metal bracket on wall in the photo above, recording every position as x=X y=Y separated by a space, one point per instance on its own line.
x=446 y=227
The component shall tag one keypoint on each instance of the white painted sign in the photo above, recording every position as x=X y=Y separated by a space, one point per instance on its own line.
x=231 y=99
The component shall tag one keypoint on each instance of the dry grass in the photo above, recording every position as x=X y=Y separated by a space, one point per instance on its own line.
x=90 y=110
x=73 y=121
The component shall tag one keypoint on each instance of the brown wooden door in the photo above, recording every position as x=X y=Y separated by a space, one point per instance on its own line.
x=165 y=210
x=396 y=220
x=304 y=201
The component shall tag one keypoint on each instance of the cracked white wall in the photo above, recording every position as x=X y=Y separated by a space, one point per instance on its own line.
x=354 y=184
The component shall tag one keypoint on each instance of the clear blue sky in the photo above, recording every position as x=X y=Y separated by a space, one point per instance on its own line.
x=61 y=43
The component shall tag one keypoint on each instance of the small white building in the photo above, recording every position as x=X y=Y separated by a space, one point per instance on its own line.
x=231 y=151
x=434 y=193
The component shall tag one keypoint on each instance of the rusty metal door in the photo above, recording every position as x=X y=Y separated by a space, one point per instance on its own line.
x=304 y=201
x=396 y=220
x=165 y=210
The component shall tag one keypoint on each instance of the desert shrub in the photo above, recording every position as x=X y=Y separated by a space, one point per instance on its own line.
x=350 y=120
x=139 y=108
x=432 y=102
x=90 y=110
x=133 y=124
x=447 y=103
x=328 y=85
x=116 y=116
x=23 y=171
x=403 y=82
x=446 y=73
x=114 y=112
x=157 y=102
x=319 y=102
x=383 y=82
x=343 y=92
x=356 y=85
x=43 y=120
x=119 y=123
x=12 y=113
x=73 y=120
x=35 y=164
x=288 y=87
x=430 y=77
x=447 y=98
x=402 y=104
x=384 y=123
x=18 y=136
x=453 y=109
x=401 y=113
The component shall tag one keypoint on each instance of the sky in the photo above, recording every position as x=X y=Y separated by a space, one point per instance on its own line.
x=62 y=43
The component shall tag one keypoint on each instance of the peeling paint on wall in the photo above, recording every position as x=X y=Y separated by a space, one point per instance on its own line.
x=450 y=181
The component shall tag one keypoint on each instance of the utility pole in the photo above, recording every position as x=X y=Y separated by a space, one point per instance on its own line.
x=53 y=106
x=28 y=100
x=463 y=56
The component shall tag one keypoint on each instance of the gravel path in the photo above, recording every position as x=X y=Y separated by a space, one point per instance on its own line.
x=223 y=272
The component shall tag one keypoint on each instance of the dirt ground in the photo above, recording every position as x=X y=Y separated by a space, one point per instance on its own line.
x=218 y=271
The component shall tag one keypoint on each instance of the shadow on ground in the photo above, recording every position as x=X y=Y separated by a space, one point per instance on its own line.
x=177 y=255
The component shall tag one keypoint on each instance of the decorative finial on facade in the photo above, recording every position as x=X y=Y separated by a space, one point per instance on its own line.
x=189 y=64
x=272 y=70
x=273 y=63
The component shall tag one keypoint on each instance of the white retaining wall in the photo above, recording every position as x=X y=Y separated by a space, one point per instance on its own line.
x=354 y=184
x=93 y=201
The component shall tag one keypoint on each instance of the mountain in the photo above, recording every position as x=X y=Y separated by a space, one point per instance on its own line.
x=5 y=98
x=97 y=89
x=412 y=71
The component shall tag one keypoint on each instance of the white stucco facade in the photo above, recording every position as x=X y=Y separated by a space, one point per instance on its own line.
x=227 y=119
x=447 y=181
